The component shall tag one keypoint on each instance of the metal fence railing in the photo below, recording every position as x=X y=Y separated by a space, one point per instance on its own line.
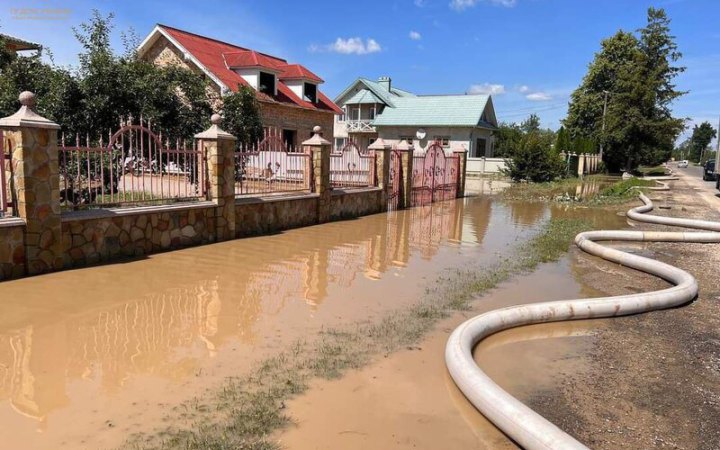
x=271 y=166
x=349 y=168
x=135 y=168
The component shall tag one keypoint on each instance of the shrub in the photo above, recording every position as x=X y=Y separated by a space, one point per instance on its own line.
x=534 y=161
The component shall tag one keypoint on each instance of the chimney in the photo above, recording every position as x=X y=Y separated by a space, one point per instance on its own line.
x=385 y=82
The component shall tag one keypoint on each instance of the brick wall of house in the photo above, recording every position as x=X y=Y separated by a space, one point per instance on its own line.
x=163 y=53
x=298 y=119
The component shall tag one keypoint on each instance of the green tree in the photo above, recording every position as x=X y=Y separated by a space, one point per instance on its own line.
x=534 y=160
x=562 y=141
x=242 y=116
x=701 y=137
x=530 y=124
x=507 y=139
x=636 y=73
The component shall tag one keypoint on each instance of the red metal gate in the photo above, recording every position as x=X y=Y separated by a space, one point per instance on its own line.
x=435 y=176
x=396 y=177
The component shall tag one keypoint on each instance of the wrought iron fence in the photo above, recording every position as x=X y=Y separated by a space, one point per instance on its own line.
x=271 y=166
x=350 y=168
x=5 y=176
x=136 y=167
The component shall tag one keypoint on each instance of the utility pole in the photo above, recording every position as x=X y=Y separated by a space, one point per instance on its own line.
x=603 y=125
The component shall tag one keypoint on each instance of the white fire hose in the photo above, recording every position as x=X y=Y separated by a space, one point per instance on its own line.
x=526 y=427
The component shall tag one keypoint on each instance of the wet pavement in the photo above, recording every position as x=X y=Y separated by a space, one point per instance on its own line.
x=90 y=356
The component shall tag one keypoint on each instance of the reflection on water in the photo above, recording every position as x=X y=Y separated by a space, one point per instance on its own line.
x=168 y=315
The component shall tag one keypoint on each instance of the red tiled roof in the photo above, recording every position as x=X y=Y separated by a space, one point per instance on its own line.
x=296 y=71
x=250 y=58
x=214 y=55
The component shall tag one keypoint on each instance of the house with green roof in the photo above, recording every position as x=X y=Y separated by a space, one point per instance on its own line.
x=377 y=109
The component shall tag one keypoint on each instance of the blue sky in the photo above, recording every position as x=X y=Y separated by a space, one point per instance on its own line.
x=530 y=54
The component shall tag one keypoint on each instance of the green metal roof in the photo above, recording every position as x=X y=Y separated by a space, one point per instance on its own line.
x=435 y=110
x=363 y=96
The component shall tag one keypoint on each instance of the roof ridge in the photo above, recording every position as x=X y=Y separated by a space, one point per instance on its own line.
x=222 y=42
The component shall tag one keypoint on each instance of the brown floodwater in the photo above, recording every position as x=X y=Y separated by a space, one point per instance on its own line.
x=90 y=356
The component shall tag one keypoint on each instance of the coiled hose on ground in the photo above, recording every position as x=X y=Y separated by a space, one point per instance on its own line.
x=526 y=427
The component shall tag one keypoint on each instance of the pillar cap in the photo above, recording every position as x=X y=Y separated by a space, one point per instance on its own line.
x=215 y=132
x=317 y=139
x=26 y=115
x=379 y=144
x=404 y=146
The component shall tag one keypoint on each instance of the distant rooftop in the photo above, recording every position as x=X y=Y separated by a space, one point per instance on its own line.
x=18 y=45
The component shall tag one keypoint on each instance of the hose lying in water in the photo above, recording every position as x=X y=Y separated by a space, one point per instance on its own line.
x=515 y=419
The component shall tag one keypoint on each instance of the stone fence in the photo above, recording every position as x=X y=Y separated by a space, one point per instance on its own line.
x=42 y=238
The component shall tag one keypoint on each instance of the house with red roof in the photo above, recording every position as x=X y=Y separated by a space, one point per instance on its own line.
x=289 y=94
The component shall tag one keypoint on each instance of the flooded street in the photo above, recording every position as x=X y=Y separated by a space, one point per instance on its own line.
x=91 y=356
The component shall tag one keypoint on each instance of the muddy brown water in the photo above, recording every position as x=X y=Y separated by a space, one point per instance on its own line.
x=90 y=356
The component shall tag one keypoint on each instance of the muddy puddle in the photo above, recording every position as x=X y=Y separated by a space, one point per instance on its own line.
x=389 y=405
x=90 y=356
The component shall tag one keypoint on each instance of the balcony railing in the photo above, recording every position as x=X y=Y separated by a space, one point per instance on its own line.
x=359 y=126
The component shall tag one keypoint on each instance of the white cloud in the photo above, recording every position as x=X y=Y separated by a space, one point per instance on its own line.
x=539 y=97
x=460 y=5
x=420 y=3
x=524 y=89
x=487 y=89
x=415 y=36
x=349 y=46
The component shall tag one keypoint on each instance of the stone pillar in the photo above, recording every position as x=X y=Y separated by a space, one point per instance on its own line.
x=462 y=171
x=37 y=184
x=219 y=149
x=319 y=150
x=406 y=160
x=581 y=165
x=382 y=170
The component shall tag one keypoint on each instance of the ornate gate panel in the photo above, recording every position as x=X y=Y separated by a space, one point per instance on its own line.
x=396 y=177
x=435 y=176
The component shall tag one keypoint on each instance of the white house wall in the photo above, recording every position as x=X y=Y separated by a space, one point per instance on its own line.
x=460 y=137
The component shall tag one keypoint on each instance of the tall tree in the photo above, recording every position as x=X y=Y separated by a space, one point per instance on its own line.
x=242 y=116
x=531 y=124
x=637 y=74
x=701 y=137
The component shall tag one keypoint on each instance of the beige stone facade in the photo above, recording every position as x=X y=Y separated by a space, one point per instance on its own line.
x=273 y=114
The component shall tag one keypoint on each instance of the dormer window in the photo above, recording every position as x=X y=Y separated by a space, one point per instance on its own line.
x=310 y=92
x=266 y=83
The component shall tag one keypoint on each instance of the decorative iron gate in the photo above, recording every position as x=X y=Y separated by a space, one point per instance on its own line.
x=396 y=177
x=435 y=176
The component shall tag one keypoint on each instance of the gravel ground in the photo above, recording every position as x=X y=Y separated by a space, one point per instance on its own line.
x=656 y=376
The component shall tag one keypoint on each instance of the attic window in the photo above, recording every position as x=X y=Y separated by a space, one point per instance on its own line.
x=310 y=92
x=266 y=84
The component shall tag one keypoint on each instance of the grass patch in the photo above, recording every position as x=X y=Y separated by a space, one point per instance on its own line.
x=247 y=410
x=651 y=171
x=596 y=190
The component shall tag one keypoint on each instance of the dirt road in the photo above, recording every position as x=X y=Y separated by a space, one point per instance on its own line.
x=655 y=378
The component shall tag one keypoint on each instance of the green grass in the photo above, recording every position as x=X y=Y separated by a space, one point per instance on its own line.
x=246 y=410
x=651 y=171
x=606 y=192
